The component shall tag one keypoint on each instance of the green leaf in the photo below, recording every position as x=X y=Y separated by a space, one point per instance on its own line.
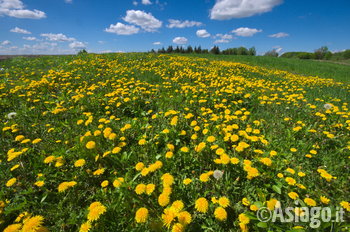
x=277 y=189
x=262 y=224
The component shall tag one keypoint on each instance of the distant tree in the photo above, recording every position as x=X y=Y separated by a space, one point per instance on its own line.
x=177 y=49
x=346 y=54
x=252 y=51
x=152 y=51
x=189 y=49
x=272 y=53
x=161 y=50
x=198 y=50
x=205 y=51
x=170 y=49
x=215 y=50
x=242 y=51
x=82 y=52
x=321 y=52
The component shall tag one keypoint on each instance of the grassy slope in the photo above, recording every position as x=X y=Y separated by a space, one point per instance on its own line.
x=305 y=67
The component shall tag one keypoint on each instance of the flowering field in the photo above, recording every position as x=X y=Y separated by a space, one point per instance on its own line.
x=137 y=142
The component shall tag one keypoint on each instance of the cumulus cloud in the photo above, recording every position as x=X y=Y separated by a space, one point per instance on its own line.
x=228 y=9
x=157 y=43
x=279 y=35
x=122 y=29
x=6 y=42
x=30 y=38
x=57 y=37
x=19 y=30
x=16 y=8
x=142 y=19
x=180 y=40
x=182 y=24
x=202 y=33
x=146 y=2
x=245 y=31
x=221 y=41
x=68 y=1
x=223 y=36
x=76 y=45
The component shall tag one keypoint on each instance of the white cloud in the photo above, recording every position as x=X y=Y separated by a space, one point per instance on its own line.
x=19 y=30
x=135 y=3
x=122 y=29
x=221 y=41
x=202 y=33
x=15 y=8
x=180 y=40
x=30 y=38
x=224 y=36
x=57 y=37
x=145 y=20
x=6 y=42
x=77 y=45
x=245 y=31
x=157 y=43
x=279 y=35
x=146 y=2
x=101 y=42
x=228 y=9
x=11 y=4
x=68 y=1
x=182 y=24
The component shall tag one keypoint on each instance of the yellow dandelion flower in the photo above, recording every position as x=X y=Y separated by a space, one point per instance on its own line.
x=104 y=183
x=324 y=200
x=90 y=145
x=177 y=227
x=244 y=219
x=293 y=195
x=310 y=201
x=85 y=227
x=79 y=163
x=201 y=205
x=39 y=183
x=33 y=224
x=163 y=199
x=96 y=209
x=13 y=228
x=224 y=202
x=139 y=166
x=211 y=139
x=150 y=188
x=220 y=214
x=184 y=217
x=140 y=189
x=11 y=182
x=187 y=181
x=141 y=215
x=118 y=182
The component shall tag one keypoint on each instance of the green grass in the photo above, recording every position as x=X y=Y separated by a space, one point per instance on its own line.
x=336 y=71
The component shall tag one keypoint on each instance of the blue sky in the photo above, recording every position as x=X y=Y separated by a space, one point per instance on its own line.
x=66 y=26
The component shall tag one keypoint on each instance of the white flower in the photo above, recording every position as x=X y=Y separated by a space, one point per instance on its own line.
x=11 y=115
x=218 y=174
x=327 y=106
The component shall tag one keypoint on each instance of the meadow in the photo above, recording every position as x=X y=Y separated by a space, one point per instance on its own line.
x=147 y=142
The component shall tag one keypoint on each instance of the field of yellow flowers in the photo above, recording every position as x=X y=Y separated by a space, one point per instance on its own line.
x=141 y=142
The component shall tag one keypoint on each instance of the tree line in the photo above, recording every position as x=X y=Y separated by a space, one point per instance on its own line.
x=321 y=53
x=214 y=50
